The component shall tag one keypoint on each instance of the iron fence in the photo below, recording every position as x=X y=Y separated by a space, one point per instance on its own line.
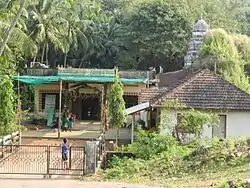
x=42 y=160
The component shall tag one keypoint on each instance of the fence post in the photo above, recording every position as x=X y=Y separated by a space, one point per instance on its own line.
x=3 y=143
x=90 y=152
x=48 y=161
x=11 y=142
x=70 y=157
x=19 y=138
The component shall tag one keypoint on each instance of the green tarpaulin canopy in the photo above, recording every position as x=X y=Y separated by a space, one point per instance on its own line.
x=97 y=79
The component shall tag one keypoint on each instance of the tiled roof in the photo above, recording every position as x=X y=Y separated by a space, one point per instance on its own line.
x=202 y=89
x=150 y=95
x=171 y=79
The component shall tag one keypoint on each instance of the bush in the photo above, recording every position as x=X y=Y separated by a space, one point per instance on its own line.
x=161 y=156
x=155 y=154
x=125 y=168
x=149 y=144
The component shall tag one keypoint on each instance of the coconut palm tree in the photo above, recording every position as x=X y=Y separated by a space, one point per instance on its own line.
x=11 y=32
x=48 y=27
x=95 y=21
x=85 y=29
x=76 y=28
x=11 y=27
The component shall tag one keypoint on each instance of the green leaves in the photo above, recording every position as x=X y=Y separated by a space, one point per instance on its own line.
x=157 y=31
x=159 y=158
x=116 y=105
x=7 y=99
x=230 y=53
x=150 y=144
x=194 y=120
x=190 y=120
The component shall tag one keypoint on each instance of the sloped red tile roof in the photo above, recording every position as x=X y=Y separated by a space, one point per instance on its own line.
x=202 y=89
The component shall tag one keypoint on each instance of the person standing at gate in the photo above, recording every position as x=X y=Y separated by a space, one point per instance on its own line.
x=65 y=154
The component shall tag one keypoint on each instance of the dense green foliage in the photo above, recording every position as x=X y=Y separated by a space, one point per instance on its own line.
x=161 y=157
x=134 y=34
x=131 y=34
x=8 y=98
x=148 y=145
x=116 y=105
x=228 y=54
x=194 y=120
x=154 y=32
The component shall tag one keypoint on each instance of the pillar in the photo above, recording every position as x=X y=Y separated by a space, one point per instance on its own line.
x=104 y=108
x=90 y=157
x=132 y=128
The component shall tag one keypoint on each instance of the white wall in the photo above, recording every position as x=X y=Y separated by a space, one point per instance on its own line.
x=164 y=125
x=237 y=124
x=207 y=132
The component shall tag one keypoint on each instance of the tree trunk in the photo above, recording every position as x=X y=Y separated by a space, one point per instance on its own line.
x=46 y=54
x=65 y=60
x=12 y=26
x=80 y=66
x=34 y=59
x=66 y=53
x=43 y=51
x=38 y=48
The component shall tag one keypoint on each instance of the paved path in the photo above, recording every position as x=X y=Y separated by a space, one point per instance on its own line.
x=124 y=133
x=14 y=183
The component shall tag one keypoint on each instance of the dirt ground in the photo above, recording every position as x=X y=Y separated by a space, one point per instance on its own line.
x=21 y=183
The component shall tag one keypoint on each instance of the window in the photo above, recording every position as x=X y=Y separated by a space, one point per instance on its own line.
x=130 y=100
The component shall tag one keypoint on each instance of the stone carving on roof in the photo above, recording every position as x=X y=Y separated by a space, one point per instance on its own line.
x=198 y=33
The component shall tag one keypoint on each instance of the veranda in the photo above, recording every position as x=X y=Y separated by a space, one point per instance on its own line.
x=84 y=92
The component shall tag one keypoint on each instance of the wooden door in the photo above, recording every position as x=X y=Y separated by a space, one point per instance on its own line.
x=220 y=130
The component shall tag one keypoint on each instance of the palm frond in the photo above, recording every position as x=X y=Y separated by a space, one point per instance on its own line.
x=58 y=44
x=19 y=39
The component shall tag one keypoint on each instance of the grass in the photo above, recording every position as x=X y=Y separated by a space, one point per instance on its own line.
x=212 y=178
x=162 y=162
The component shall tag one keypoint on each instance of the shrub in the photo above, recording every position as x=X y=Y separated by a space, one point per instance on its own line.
x=149 y=144
x=161 y=156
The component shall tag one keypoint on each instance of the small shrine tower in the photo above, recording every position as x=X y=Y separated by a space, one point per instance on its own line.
x=198 y=33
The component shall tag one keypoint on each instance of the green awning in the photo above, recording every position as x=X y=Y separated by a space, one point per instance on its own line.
x=96 y=79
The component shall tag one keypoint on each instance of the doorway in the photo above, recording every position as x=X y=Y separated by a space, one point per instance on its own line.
x=220 y=130
x=91 y=108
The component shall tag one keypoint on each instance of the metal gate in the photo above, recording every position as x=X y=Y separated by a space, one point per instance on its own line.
x=41 y=160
